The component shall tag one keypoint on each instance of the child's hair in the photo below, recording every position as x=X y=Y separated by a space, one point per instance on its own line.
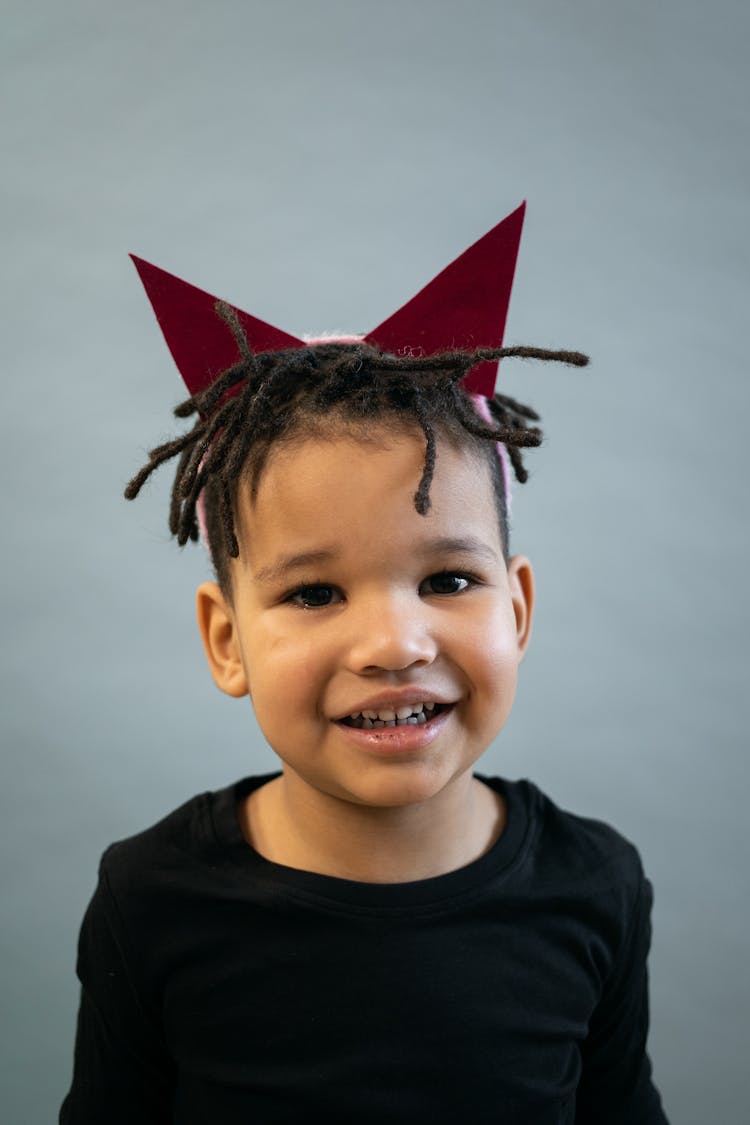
x=275 y=397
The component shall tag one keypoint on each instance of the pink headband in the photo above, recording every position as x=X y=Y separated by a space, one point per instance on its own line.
x=483 y=410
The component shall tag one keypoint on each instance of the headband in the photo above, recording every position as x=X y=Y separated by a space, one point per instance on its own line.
x=464 y=307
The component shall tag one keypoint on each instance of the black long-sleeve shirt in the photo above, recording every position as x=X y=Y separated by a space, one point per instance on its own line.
x=220 y=988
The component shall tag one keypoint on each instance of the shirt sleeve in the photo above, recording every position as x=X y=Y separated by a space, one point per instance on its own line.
x=122 y=1071
x=615 y=1086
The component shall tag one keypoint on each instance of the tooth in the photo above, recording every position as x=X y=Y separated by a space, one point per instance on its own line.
x=387 y=716
x=370 y=714
x=421 y=718
x=429 y=706
x=367 y=724
x=412 y=720
x=355 y=714
x=404 y=712
x=389 y=722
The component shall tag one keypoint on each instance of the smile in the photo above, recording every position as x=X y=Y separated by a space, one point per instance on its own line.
x=417 y=715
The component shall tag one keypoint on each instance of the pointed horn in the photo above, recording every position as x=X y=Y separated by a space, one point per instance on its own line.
x=465 y=306
x=201 y=344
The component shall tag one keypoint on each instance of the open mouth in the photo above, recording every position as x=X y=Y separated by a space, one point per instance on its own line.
x=417 y=715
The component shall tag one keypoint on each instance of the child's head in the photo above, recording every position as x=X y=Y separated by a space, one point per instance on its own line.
x=354 y=496
x=357 y=517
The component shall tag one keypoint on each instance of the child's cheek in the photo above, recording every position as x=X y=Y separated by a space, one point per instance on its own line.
x=494 y=657
x=283 y=667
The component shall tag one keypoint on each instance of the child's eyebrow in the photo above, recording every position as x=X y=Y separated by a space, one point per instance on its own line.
x=287 y=564
x=462 y=545
x=448 y=544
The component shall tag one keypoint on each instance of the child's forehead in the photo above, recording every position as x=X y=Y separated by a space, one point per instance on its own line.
x=341 y=469
x=353 y=448
x=351 y=504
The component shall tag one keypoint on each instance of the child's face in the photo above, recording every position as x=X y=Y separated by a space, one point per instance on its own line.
x=346 y=600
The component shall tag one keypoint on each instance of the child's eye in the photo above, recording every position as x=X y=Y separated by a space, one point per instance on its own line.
x=313 y=597
x=447 y=582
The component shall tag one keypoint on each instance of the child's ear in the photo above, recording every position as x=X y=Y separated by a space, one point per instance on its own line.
x=220 y=640
x=521 y=582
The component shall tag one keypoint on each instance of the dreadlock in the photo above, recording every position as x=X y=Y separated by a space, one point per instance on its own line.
x=268 y=396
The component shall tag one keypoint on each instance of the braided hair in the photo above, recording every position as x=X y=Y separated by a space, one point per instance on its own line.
x=271 y=397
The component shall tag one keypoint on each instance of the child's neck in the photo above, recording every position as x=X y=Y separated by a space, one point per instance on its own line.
x=348 y=841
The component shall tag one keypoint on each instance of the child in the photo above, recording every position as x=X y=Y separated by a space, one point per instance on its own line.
x=375 y=933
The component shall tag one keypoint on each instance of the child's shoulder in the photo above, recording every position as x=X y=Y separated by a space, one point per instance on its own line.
x=191 y=837
x=566 y=849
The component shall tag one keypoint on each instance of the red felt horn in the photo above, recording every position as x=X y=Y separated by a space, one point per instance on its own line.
x=201 y=344
x=465 y=306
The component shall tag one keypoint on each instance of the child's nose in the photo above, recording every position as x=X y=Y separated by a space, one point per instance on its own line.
x=392 y=635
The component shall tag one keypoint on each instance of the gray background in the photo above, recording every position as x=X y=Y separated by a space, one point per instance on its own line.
x=316 y=163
